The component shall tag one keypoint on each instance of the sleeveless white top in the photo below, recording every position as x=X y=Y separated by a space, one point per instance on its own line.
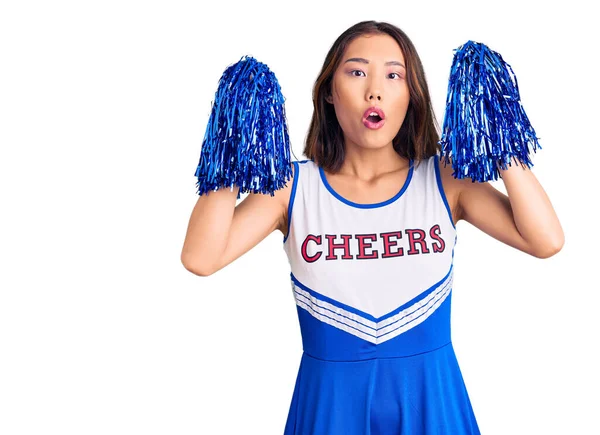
x=367 y=260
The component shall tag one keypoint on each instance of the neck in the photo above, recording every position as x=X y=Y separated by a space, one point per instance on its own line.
x=367 y=164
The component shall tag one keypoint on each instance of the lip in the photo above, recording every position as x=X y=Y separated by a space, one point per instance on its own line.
x=375 y=109
x=370 y=124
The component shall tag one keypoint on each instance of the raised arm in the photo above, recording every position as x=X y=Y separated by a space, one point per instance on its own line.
x=524 y=220
x=219 y=232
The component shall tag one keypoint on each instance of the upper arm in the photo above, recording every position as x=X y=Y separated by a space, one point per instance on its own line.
x=486 y=208
x=254 y=218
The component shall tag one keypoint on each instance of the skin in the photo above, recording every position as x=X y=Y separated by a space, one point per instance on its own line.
x=372 y=171
x=371 y=167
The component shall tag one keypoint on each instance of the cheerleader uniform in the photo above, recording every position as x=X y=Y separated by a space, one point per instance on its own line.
x=372 y=285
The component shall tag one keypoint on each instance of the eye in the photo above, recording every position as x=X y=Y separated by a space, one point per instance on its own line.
x=356 y=71
x=398 y=75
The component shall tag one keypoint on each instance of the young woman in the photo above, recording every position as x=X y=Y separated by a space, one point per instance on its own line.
x=369 y=226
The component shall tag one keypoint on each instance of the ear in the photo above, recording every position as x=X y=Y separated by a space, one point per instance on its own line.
x=329 y=99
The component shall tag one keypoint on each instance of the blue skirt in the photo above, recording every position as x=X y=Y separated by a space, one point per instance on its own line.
x=419 y=394
x=363 y=375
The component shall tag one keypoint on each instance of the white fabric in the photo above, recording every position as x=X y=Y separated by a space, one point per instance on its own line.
x=373 y=286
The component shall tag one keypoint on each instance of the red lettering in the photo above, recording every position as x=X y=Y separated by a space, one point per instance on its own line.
x=434 y=233
x=362 y=245
x=345 y=245
x=416 y=236
x=417 y=241
x=387 y=244
x=305 y=255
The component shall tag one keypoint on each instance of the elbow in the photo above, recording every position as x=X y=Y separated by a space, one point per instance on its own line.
x=551 y=249
x=195 y=267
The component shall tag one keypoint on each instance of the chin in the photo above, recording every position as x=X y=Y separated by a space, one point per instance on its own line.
x=379 y=141
x=374 y=145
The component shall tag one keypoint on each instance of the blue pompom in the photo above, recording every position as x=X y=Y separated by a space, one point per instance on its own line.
x=246 y=143
x=485 y=125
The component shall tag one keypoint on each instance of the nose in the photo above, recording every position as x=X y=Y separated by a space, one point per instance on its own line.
x=373 y=89
x=374 y=93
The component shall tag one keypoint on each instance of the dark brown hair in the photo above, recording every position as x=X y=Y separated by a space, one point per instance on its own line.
x=418 y=136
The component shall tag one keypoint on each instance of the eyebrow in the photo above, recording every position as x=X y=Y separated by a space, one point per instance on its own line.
x=363 y=60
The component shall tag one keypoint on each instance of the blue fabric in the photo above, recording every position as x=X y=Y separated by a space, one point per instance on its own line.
x=420 y=394
x=411 y=384
x=323 y=341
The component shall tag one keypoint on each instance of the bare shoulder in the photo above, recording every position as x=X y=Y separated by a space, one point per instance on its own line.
x=452 y=188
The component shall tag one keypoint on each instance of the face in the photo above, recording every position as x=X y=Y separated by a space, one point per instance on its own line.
x=371 y=73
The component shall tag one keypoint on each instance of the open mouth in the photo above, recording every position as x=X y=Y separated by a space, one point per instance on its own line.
x=373 y=120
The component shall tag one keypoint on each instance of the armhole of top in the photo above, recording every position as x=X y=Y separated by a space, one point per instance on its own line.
x=292 y=197
x=438 y=177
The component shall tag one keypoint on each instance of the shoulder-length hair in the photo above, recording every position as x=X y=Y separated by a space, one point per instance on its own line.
x=418 y=136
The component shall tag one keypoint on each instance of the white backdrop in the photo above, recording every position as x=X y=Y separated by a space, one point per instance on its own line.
x=103 y=106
